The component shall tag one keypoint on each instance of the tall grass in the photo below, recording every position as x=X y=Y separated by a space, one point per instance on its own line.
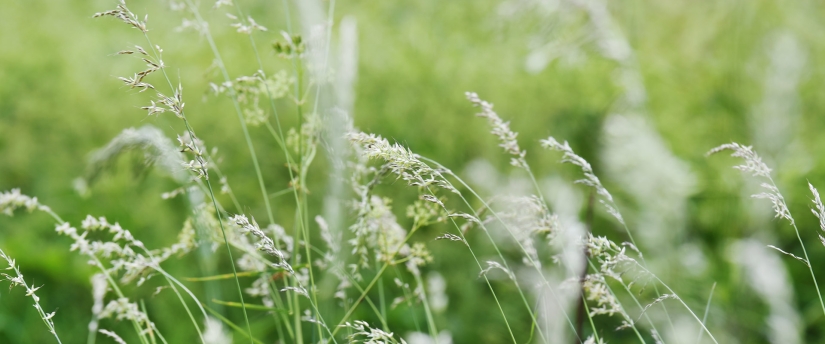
x=335 y=273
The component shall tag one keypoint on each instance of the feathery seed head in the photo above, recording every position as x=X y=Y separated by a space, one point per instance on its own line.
x=501 y=129
x=753 y=162
x=125 y=15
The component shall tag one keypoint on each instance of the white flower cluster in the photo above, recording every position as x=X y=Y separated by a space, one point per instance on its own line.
x=614 y=263
x=121 y=309
x=612 y=259
x=11 y=200
x=121 y=249
x=595 y=287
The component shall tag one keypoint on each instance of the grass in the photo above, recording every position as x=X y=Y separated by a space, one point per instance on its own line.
x=353 y=228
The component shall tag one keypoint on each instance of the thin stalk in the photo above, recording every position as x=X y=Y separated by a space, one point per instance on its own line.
x=510 y=231
x=229 y=188
x=804 y=253
x=40 y=311
x=237 y=106
x=590 y=319
x=408 y=297
x=538 y=189
x=229 y=252
x=195 y=11
x=707 y=310
x=148 y=324
x=372 y=282
x=188 y=312
x=489 y=285
x=383 y=302
x=633 y=241
x=276 y=297
x=375 y=309
x=171 y=280
x=682 y=302
x=425 y=301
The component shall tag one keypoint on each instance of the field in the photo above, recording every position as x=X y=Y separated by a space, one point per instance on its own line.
x=491 y=171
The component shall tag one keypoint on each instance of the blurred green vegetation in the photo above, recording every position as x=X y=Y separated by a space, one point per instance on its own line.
x=703 y=65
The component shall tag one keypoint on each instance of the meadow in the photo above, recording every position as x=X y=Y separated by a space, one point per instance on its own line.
x=492 y=171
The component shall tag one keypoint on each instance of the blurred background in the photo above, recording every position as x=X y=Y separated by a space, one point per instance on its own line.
x=641 y=89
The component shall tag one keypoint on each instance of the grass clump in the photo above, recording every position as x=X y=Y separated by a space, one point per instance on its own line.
x=329 y=234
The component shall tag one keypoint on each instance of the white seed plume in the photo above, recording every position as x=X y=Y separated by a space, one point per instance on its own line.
x=264 y=243
x=501 y=129
x=400 y=161
x=125 y=15
x=494 y=265
x=818 y=210
x=113 y=335
x=590 y=178
x=366 y=334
